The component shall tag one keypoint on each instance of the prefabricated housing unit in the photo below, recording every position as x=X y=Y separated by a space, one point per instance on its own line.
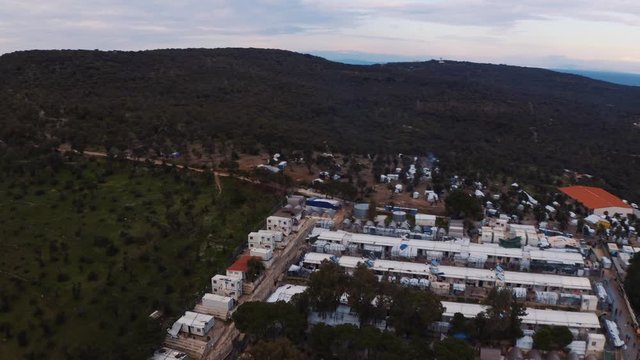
x=218 y=302
x=467 y=276
x=425 y=220
x=261 y=240
x=196 y=323
x=226 y=286
x=264 y=254
x=281 y=221
x=276 y=235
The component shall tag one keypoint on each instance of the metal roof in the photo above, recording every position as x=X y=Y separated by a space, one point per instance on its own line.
x=462 y=273
x=534 y=316
x=593 y=197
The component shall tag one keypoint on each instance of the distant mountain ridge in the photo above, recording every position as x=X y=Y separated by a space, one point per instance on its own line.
x=497 y=119
x=609 y=76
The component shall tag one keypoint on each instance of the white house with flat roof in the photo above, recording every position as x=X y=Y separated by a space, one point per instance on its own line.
x=262 y=240
x=283 y=221
x=192 y=323
x=226 y=286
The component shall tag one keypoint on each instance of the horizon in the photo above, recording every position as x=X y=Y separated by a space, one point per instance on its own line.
x=364 y=59
x=576 y=35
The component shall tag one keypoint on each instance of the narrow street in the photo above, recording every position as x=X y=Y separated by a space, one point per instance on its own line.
x=623 y=317
x=223 y=346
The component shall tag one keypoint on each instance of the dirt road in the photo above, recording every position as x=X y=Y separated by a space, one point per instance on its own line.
x=223 y=346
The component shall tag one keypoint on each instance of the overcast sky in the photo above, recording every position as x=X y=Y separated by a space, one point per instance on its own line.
x=586 y=34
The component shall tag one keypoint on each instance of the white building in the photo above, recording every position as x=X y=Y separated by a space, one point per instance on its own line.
x=286 y=292
x=217 y=305
x=276 y=235
x=584 y=322
x=595 y=343
x=264 y=240
x=425 y=220
x=192 y=323
x=226 y=286
x=597 y=200
x=463 y=275
x=283 y=220
x=387 y=246
x=500 y=229
x=265 y=254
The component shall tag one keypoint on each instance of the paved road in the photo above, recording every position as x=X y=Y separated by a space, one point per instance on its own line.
x=623 y=318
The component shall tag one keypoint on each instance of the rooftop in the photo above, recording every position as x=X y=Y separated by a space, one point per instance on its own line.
x=286 y=213
x=242 y=263
x=286 y=292
x=533 y=317
x=593 y=197
x=216 y=297
x=195 y=319
x=461 y=273
x=563 y=257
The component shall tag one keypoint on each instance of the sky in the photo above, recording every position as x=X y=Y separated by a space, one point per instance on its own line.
x=578 y=34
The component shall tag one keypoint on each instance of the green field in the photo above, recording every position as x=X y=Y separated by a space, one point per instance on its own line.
x=88 y=249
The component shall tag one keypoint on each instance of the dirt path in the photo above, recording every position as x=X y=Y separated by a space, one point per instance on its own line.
x=216 y=176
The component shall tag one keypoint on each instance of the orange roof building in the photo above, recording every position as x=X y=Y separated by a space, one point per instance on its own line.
x=240 y=266
x=597 y=200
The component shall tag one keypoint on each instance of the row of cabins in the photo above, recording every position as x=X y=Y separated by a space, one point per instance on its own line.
x=451 y=280
x=501 y=229
x=192 y=332
x=488 y=255
x=583 y=325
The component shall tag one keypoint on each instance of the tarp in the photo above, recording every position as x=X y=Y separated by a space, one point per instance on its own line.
x=512 y=243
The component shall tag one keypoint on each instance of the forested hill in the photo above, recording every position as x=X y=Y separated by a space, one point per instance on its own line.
x=475 y=116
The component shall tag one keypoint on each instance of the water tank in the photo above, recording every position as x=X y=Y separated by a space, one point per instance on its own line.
x=399 y=216
x=361 y=211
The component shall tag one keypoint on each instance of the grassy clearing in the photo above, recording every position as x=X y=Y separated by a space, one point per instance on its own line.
x=88 y=249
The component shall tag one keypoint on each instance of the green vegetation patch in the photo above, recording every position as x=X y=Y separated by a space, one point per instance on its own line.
x=88 y=249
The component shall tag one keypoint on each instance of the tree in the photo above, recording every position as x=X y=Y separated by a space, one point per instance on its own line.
x=631 y=282
x=280 y=348
x=361 y=292
x=461 y=205
x=458 y=323
x=453 y=349
x=371 y=215
x=255 y=267
x=552 y=338
x=412 y=311
x=350 y=342
x=326 y=286
x=504 y=315
x=269 y=320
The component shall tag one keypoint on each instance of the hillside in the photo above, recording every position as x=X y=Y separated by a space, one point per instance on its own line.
x=490 y=118
x=91 y=248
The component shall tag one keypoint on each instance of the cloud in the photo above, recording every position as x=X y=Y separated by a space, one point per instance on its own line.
x=492 y=13
x=469 y=29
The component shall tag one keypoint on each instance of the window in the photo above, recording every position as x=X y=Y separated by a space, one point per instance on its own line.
x=593 y=343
